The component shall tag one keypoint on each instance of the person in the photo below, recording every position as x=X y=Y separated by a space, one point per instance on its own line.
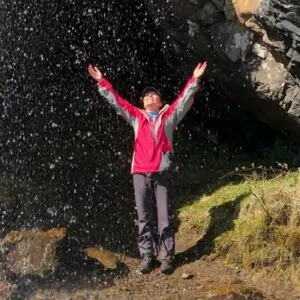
x=152 y=164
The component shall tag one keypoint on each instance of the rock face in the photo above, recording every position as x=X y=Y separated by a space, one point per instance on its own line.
x=253 y=48
x=32 y=252
x=106 y=258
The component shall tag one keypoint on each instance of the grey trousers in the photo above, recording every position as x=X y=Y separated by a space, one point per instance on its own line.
x=155 y=214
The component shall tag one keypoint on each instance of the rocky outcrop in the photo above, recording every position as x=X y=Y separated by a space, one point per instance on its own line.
x=39 y=252
x=106 y=258
x=253 y=48
x=32 y=252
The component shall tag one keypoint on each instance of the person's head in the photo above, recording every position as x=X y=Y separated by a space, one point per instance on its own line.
x=151 y=99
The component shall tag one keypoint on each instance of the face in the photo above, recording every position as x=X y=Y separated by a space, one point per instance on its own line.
x=152 y=101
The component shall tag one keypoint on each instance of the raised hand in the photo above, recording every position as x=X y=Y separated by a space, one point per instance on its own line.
x=94 y=72
x=199 y=70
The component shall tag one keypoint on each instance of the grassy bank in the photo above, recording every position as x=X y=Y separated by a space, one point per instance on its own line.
x=246 y=216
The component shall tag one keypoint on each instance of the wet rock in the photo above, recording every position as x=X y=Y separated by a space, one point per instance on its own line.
x=238 y=43
x=106 y=258
x=260 y=50
x=209 y=13
x=244 y=9
x=218 y=3
x=229 y=10
x=32 y=252
x=254 y=53
x=193 y=28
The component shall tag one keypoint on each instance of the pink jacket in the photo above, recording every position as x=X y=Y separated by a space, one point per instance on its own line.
x=153 y=139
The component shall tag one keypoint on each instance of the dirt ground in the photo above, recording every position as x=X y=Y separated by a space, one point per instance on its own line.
x=196 y=277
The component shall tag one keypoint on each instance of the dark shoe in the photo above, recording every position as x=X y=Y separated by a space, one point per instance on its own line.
x=166 y=267
x=147 y=264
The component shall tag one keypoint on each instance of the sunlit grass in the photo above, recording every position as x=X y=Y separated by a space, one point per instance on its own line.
x=265 y=236
x=198 y=210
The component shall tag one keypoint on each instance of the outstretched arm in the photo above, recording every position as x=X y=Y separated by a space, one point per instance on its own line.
x=122 y=106
x=184 y=101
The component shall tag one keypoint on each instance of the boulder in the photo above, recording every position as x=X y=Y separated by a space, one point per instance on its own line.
x=108 y=259
x=32 y=252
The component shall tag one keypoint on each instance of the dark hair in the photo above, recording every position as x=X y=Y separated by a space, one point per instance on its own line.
x=149 y=89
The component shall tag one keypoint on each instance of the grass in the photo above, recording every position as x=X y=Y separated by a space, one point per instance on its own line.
x=197 y=212
x=252 y=222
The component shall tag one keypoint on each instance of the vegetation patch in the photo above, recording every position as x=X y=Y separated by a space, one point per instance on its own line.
x=251 y=223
